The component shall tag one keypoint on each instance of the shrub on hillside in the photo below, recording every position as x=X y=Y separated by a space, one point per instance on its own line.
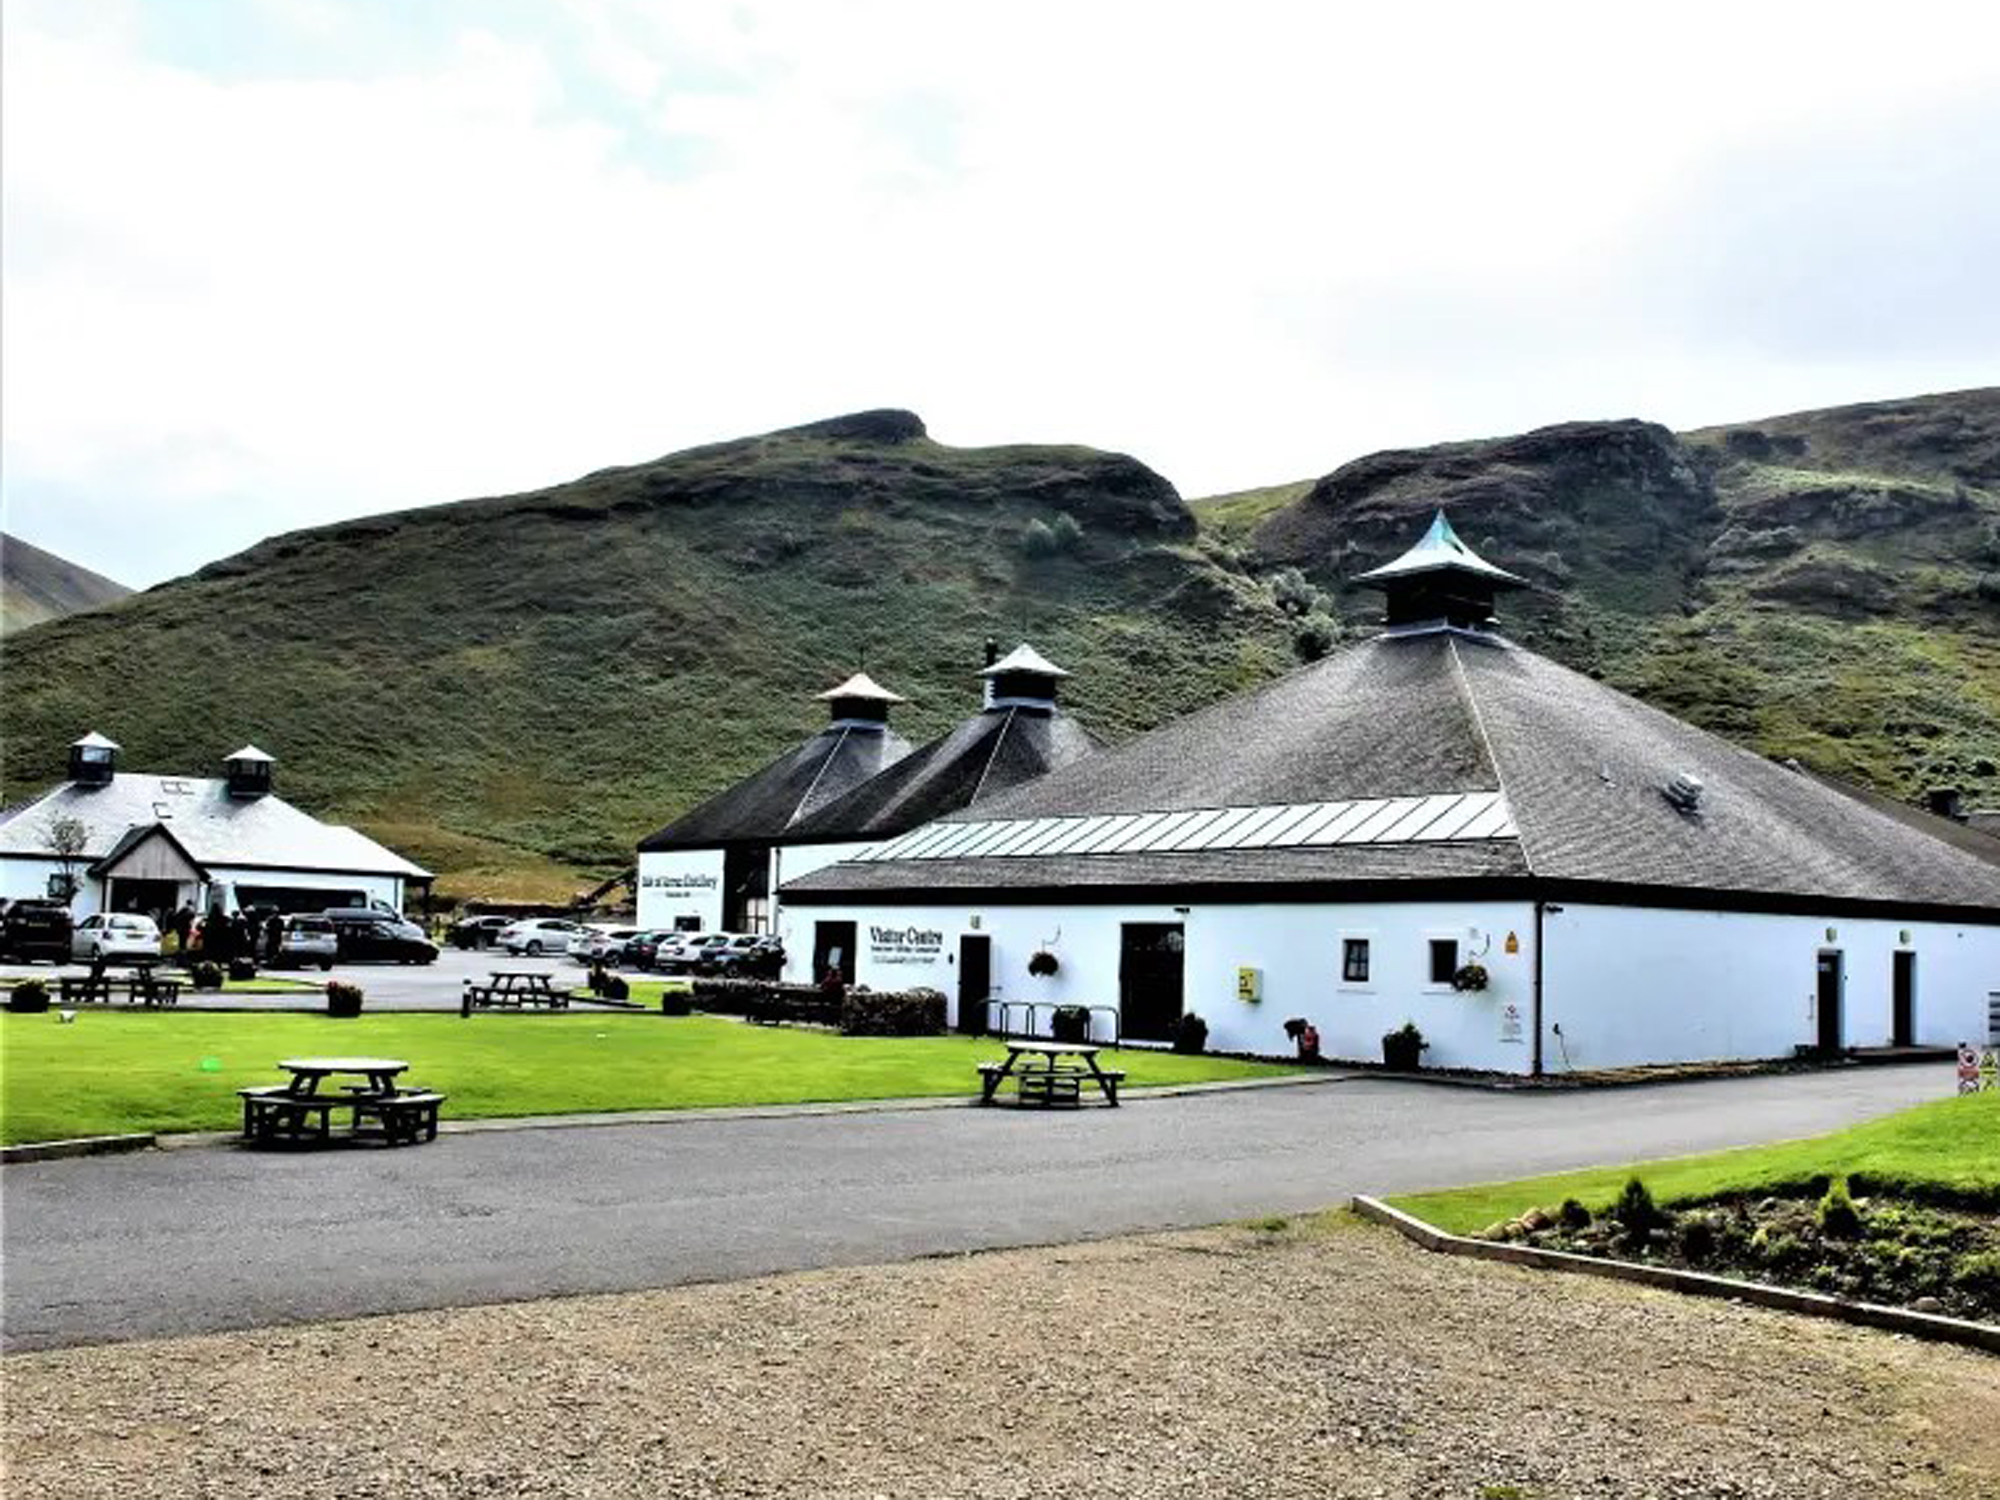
x=1315 y=638
x=343 y=1000
x=892 y=1013
x=1293 y=594
x=1067 y=531
x=29 y=997
x=1038 y=540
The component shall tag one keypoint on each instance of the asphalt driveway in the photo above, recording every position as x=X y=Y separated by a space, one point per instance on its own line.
x=171 y=1242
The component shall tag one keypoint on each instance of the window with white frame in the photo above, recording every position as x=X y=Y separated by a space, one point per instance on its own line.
x=1354 y=960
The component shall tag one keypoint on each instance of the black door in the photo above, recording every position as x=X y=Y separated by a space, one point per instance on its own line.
x=833 y=951
x=1828 y=1002
x=1150 y=962
x=1904 y=1032
x=975 y=983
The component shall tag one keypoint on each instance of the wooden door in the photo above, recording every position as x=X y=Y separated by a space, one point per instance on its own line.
x=1151 y=971
x=1827 y=1000
x=1903 y=1032
x=833 y=951
x=975 y=983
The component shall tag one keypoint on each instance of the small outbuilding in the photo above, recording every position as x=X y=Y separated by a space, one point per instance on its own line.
x=112 y=840
x=1435 y=827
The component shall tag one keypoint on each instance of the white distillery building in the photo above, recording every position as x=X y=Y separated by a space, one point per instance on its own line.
x=152 y=844
x=846 y=789
x=1339 y=845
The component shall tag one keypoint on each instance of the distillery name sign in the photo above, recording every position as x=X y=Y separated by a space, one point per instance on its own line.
x=904 y=945
x=678 y=882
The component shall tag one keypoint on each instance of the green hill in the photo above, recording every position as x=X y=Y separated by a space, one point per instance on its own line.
x=514 y=690
x=36 y=585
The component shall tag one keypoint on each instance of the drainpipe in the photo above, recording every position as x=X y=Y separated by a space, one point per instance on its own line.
x=1536 y=1065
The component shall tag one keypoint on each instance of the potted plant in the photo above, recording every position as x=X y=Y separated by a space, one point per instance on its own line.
x=1070 y=1023
x=30 y=996
x=1403 y=1049
x=343 y=1000
x=1043 y=964
x=205 y=974
x=1190 y=1033
x=1469 y=977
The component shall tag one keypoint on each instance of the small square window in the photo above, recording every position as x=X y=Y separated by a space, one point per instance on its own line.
x=1354 y=961
x=1444 y=959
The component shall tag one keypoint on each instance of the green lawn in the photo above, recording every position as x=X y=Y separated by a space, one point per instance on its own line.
x=1951 y=1144
x=116 y=1071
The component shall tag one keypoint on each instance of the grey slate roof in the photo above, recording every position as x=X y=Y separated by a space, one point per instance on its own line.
x=766 y=804
x=986 y=755
x=1581 y=766
x=213 y=827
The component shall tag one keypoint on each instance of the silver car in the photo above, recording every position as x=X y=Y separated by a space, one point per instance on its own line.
x=539 y=935
x=307 y=940
x=110 y=935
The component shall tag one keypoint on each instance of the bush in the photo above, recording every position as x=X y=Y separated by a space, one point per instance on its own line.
x=1039 y=540
x=1070 y=1023
x=676 y=1003
x=1636 y=1212
x=892 y=1013
x=1293 y=594
x=614 y=987
x=1838 y=1217
x=1315 y=638
x=29 y=997
x=1573 y=1215
x=1697 y=1239
x=1191 y=1034
x=343 y=1000
x=206 y=975
x=1067 y=532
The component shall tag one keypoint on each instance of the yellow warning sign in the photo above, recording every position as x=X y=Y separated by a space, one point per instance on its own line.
x=1513 y=943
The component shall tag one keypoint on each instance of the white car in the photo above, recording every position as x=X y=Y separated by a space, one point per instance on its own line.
x=110 y=935
x=539 y=935
x=601 y=944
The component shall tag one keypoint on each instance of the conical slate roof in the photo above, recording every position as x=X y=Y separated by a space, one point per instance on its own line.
x=861 y=685
x=1438 y=757
x=765 y=805
x=985 y=757
x=1439 y=550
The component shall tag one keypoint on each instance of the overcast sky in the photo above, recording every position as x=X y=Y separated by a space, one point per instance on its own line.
x=269 y=263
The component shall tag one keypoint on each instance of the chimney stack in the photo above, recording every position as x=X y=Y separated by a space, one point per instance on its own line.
x=1946 y=802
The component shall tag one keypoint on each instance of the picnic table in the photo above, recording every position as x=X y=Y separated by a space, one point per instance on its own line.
x=511 y=989
x=1041 y=1076
x=301 y=1111
x=142 y=984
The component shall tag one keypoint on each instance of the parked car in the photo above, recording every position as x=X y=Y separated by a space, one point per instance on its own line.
x=363 y=934
x=307 y=940
x=692 y=955
x=747 y=956
x=601 y=945
x=109 y=935
x=642 y=950
x=539 y=935
x=479 y=932
x=32 y=929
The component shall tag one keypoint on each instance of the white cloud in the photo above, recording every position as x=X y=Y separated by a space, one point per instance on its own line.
x=1243 y=243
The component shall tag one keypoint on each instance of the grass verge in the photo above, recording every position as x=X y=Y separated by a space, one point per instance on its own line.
x=1950 y=1147
x=119 y=1071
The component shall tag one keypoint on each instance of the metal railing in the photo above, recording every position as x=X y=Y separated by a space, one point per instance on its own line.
x=1032 y=1024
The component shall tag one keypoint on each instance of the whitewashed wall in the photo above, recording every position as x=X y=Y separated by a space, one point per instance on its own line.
x=23 y=879
x=680 y=883
x=791 y=861
x=1297 y=949
x=1640 y=985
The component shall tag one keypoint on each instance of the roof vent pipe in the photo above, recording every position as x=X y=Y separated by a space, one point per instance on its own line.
x=1684 y=792
x=1946 y=802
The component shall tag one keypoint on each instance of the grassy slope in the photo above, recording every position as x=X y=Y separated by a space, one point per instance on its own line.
x=514 y=691
x=1950 y=1143
x=115 y=1071
x=36 y=585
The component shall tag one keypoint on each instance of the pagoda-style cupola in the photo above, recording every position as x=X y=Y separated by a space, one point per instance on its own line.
x=93 y=760
x=249 y=772
x=1440 y=584
x=1023 y=678
x=860 y=703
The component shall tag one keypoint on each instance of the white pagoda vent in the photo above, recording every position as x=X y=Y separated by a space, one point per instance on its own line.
x=1685 y=792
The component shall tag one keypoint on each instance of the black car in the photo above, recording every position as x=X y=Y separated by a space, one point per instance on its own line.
x=365 y=934
x=750 y=957
x=32 y=930
x=642 y=950
x=478 y=932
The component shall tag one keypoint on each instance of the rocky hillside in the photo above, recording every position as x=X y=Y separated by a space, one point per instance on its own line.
x=515 y=690
x=37 y=586
x=1825 y=585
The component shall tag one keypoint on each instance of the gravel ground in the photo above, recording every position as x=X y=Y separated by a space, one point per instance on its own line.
x=1330 y=1361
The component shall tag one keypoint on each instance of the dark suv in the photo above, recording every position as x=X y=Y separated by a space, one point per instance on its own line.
x=36 y=929
x=364 y=934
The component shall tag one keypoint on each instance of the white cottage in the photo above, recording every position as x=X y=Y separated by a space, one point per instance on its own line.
x=1440 y=827
x=152 y=844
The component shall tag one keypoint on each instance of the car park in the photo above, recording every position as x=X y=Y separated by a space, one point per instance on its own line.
x=539 y=935
x=365 y=934
x=109 y=935
x=31 y=930
x=307 y=940
x=642 y=951
x=746 y=955
x=693 y=955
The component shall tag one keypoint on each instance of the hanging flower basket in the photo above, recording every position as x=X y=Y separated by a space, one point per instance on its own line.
x=1043 y=964
x=1469 y=977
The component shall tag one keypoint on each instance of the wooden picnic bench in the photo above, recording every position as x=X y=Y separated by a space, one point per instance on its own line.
x=96 y=987
x=1042 y=1077
x=298 y=1113
x=512 y=989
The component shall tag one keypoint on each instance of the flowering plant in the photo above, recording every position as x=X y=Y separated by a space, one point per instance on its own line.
x=1469 y=977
